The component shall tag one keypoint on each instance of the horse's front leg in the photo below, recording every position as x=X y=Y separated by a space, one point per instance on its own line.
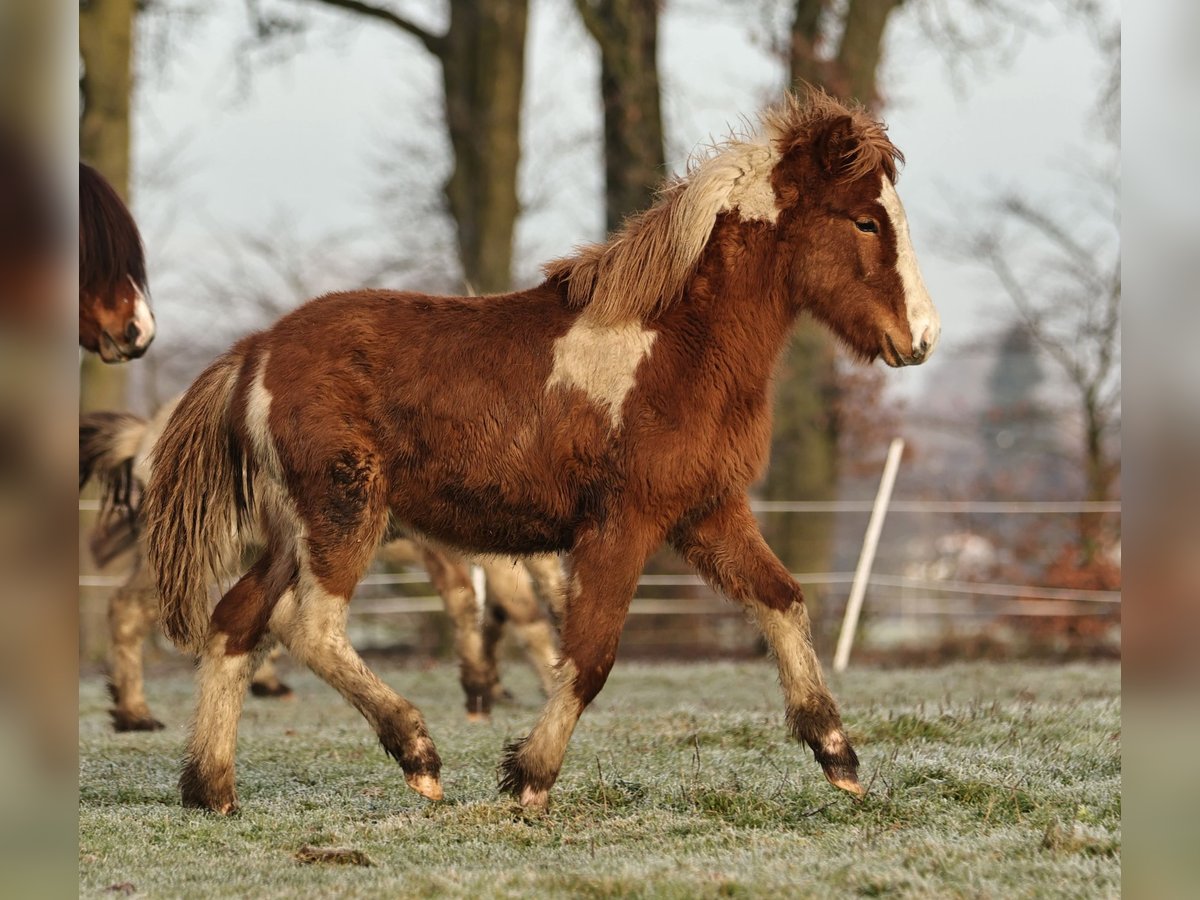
x=604 y=569
x=727 y=548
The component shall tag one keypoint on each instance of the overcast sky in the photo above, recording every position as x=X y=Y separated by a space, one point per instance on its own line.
x=294 y=141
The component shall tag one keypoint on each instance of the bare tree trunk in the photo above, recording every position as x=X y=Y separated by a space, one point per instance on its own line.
x=861 y=49
x=483 y=70
x=804 y=449
x=106 y=45
x=626 y=32
x=1099 y=473
x=483 y=73
x=806 y=43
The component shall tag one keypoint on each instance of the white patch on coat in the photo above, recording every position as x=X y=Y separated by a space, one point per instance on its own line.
x=923 y=320
x=258 y=416
x=601 y=361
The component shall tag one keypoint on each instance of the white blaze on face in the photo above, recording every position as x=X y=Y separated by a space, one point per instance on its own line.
x=143 y=318
x=601 y=360
x=923 y=320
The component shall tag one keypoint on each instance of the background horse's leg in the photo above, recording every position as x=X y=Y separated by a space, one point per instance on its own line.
x=728 y=549
x=234 y=649
x=547 y=574
x=265 y=682
x=131 y=611
x=453 y=581
x=509 y=589
x=604 y=572
x=494 y=618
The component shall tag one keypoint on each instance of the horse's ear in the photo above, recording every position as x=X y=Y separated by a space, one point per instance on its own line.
x=834 y=145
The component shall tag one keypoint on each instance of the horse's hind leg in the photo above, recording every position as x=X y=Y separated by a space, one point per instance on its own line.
x=131 y=611
x=509 y=589
x=494 y=619
x=235 y=646
x=727 y=548
x=452 y=580
x=311 y=620
x=265 y=681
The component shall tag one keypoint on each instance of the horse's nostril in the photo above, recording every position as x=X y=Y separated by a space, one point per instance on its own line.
x=132 y=332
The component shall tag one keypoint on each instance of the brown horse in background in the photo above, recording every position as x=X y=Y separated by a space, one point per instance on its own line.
x=623 y=402
x=115 y=319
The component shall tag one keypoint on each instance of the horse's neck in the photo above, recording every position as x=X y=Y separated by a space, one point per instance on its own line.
x=738 y=300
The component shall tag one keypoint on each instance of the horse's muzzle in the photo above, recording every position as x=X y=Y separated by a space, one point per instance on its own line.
x=133 y=344
x=893 y=357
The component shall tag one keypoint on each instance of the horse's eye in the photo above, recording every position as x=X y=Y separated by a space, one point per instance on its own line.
x=867 y=226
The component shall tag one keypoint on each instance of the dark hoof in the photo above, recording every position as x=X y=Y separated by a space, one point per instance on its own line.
x=840 y=764
x=479 y=706
x=847 y=781
x=215 y=795
x=124 y=720
x=277 y=690
x=428 y=786
x=531 y=789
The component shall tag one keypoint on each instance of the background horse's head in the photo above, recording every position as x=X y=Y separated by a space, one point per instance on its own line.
x=853 y=265
x=114 y=309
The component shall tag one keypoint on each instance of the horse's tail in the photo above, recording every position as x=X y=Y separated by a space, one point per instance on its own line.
x=108 y=448
x=194 y=501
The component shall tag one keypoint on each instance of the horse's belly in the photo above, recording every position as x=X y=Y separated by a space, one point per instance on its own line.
x=486 y=519
x=525 y=487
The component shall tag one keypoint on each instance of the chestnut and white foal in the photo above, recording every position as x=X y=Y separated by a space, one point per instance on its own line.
x=623 y=402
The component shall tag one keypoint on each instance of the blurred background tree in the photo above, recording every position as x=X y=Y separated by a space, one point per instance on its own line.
x=482 y=59
x=626 y=32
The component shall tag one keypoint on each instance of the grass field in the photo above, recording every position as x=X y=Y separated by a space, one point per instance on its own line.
x=986 y=781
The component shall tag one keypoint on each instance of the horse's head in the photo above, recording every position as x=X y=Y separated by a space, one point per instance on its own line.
x=117 y=324
x=852 y=261
x=115 y=319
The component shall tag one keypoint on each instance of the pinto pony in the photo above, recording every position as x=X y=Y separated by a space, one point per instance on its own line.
x=115 y=320
x=623 y=402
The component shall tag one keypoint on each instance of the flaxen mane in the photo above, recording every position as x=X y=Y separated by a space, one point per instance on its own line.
x=644 y=267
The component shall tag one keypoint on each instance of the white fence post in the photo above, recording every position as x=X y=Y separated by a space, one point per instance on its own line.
x=866 y=559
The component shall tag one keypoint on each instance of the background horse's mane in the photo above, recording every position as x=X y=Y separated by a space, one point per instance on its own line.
x=646 y=265
x=110 y=247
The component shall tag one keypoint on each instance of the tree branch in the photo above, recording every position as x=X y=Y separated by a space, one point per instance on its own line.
x=434 y=43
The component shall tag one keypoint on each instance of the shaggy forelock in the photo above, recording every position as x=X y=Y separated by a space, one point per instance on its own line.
x=797 y=119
